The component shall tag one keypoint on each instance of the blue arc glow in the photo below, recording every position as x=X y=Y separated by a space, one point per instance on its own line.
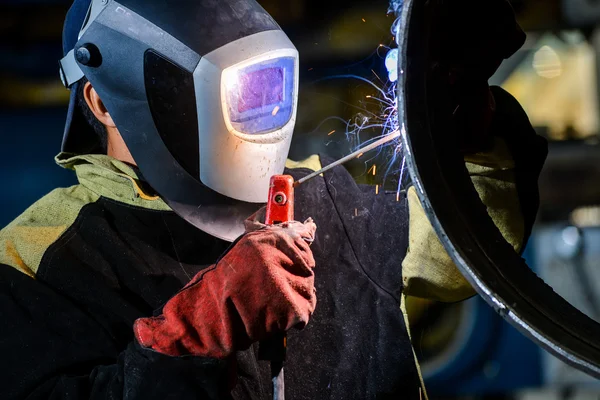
x=391 y=64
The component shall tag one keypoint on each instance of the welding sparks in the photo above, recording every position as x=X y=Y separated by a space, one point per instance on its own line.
x=374 y=169
x=364 y=20
x=379 y=112
x=383 y=118
x=375 y=73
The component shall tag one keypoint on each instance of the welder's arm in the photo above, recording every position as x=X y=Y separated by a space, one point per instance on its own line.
x=263 y=286
x=53 y=348
x=506 y=180
x=428 y=270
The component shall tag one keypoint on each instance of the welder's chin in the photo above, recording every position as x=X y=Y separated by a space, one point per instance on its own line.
x=258 y=100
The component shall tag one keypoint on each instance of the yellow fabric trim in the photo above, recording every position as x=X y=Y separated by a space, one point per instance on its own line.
x=13 y=258
x=407 y=323
x=313 y=163
x=140 y=192
x=24 y=241
x=428 y=271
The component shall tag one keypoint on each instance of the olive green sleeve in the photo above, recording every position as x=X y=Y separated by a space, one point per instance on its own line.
x=313 y=163
x=24 y=241
x=428 y=271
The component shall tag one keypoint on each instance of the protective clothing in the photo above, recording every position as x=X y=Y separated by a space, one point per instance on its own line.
x=109 y=251
x=504 y=179
x=106 y=253
x=204 y=94
x=263 y=286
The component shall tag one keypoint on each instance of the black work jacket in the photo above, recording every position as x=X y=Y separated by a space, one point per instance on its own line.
x=82 y=264
x=101 y=261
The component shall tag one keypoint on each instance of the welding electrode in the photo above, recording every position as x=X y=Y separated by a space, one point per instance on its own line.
x=388 y=138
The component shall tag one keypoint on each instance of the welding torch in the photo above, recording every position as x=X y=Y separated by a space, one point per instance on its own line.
x=280 y=209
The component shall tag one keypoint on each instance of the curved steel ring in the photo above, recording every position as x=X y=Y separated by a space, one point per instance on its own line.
x=469 y=235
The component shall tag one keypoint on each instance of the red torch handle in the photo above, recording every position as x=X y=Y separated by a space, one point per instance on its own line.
x=280 y=208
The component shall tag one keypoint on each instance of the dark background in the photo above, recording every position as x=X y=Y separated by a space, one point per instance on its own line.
x=466 y=350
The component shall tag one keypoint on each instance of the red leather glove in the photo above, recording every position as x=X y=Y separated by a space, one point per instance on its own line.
x=262 y=286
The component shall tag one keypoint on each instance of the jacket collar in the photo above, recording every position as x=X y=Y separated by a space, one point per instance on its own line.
x=112 y=179
x=116 y=180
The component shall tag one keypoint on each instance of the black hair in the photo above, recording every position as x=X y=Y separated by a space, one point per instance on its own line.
x=97 y=126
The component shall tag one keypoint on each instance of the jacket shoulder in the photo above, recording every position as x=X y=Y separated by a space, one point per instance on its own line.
x=313 y=163
x=24 y=241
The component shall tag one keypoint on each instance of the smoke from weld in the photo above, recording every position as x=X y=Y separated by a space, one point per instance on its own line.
x=395 y=6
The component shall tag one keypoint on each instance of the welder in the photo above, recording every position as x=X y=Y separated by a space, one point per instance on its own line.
x=148 y=279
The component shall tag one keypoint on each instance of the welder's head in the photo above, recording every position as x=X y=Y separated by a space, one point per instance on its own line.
x=203 y=92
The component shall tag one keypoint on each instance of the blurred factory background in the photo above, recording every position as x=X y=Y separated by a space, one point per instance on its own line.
x=466 y=350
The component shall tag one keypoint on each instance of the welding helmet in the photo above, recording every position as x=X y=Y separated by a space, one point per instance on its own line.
x=204 y=93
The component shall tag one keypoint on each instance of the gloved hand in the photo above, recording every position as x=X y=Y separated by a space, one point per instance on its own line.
x=264 y=285
x=468 y=40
